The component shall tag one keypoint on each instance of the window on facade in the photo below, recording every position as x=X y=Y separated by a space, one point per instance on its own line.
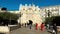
x=39 y=10
x=23 y=9
x=30 y=8
x=35 y=9
x=54 y=10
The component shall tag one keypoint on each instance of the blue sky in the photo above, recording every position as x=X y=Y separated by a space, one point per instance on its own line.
x=14 y=4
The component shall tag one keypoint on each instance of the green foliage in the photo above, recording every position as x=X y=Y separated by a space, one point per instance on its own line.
x=49 y=19
x=8 y=15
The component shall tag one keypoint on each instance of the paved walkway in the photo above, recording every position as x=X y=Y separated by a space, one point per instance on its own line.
x=28 y=31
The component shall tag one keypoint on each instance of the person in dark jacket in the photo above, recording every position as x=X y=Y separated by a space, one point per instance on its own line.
x=25 y=25
x=55 y=28
x=30 y=23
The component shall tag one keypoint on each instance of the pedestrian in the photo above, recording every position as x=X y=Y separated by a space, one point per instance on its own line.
x=19 y=25
x=42 y=26
x=22 y=25
x=47 y=26
x=30 y=23
x=25 y=25
x=36 y=26
x=55 y=28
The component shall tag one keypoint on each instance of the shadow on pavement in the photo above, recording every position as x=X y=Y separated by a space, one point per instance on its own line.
x=49 y=32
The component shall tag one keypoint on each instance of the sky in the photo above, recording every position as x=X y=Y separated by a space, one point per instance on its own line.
x=14 y=4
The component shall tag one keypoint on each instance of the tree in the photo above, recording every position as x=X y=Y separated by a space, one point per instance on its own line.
x=8 y=15
x=3 y=8
x=8 y=18
x=49 y=19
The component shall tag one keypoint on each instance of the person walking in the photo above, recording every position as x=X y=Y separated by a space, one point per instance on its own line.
x=25 y=25
x=47 y=26
x=36 y=26
x=54 y=28
x=19 y=24
x=42 y=26
x=30 y=23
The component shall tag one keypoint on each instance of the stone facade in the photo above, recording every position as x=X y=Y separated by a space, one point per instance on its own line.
x=52 y=10
x=30 y=12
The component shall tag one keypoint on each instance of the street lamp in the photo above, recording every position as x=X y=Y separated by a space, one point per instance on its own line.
x=49 y=13
x=20 y=15
x=20 y=19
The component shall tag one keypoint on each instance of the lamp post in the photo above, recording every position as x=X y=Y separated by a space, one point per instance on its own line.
x=20 y=15
x=49 y=13
x=20 y=18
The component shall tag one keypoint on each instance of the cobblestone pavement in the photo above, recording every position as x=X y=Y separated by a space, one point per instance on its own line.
x=28 y=31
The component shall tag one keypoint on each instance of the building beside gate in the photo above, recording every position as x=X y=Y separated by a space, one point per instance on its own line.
x=49 y=11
